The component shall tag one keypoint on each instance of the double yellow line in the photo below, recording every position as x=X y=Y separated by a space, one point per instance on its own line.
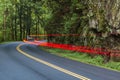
x=51 y=65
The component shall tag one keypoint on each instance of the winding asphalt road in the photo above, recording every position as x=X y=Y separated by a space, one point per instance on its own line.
x=28 y=62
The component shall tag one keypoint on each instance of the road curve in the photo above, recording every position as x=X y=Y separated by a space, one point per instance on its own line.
x=14 y=65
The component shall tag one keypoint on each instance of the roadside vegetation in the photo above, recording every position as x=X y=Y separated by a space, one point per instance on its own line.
x=83 y=57
x=6 y=42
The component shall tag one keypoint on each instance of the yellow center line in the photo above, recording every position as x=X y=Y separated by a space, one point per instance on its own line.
x=51 y=65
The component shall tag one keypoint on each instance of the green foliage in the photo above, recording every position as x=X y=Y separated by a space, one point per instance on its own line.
x=0 y=36
x=89 y=18
x=24 y=18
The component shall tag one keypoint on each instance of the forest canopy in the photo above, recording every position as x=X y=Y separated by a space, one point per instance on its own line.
x=96 y=21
